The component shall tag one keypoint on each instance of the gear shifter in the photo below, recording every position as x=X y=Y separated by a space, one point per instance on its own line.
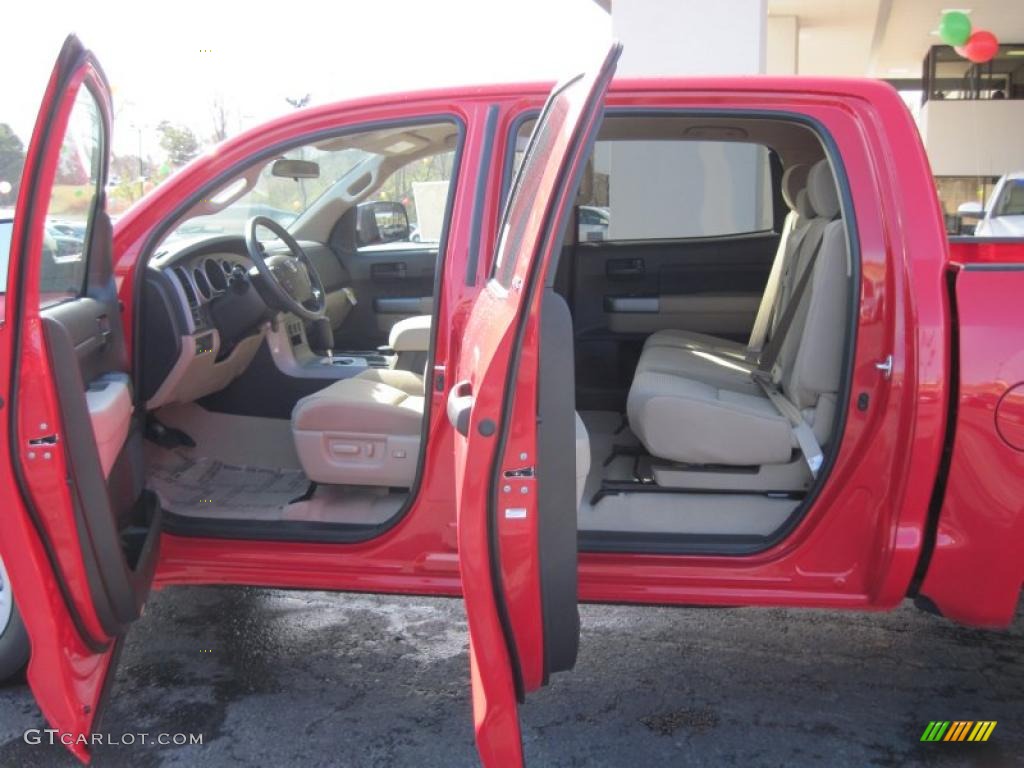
x=324 y=335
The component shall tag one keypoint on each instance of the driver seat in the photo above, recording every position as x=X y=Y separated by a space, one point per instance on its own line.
x=366 y=430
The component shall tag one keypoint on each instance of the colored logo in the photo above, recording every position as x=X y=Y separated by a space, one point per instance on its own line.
x=958 y=730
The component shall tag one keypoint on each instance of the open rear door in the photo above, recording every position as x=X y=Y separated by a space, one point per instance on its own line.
x=512 y=405
x=78 y=532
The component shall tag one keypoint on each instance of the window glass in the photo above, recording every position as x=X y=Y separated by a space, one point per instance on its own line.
x=421 y=187
x=75 y=187
x=6 y=227
x=414 y=175
x=529 y=173
x=667 y=190
x=954 y=191
x=1011 y=200
x=277 y=197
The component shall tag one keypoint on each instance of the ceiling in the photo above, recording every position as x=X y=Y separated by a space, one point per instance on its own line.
x=884 y=38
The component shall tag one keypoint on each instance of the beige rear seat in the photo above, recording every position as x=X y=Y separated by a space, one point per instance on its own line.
x=794 y=181
x=685 y=408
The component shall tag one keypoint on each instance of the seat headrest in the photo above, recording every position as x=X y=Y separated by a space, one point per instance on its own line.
x=793 y=180
x=821 y=190
x=803 y=206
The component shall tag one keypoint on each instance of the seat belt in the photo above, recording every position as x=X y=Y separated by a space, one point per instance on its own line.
x=766 y=310
x=774 y=347
x=804 y=435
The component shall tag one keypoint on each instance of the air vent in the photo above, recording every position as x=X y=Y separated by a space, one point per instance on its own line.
x=186 y=285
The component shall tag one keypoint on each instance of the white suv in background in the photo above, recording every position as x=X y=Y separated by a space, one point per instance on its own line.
x=1004 y=214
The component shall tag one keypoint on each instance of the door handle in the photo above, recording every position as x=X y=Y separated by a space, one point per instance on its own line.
x=103 y=327
x=615 y=268
x=390 y=271
x=460 y=406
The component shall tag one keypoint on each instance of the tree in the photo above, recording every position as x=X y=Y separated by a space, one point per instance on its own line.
x=219 y=113
x=12 y=160
x=179 y=142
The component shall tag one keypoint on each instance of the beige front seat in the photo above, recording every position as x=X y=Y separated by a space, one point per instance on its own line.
x=366 y=430
x=359 y=432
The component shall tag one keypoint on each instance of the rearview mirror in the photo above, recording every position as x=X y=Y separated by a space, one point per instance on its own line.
x=295 y=169
x=381 y=221
x=971 y=210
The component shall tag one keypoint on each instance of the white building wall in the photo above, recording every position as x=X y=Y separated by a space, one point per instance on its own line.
x=782 y=54
x=973 y=138
x=677 y=38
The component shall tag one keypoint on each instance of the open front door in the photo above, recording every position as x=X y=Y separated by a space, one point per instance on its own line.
x=78 y=531
x=512 y=405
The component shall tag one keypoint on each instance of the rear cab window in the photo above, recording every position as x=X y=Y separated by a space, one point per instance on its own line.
x=706 y=188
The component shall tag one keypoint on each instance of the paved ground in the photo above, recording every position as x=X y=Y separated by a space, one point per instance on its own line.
x=308 y=679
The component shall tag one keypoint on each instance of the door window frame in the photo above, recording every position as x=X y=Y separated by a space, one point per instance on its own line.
x=686 y=544
x=312 y=531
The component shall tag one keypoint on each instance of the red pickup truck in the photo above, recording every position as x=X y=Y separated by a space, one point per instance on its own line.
x=672 y=342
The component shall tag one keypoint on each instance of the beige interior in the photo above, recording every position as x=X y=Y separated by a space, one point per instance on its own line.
x=109 y=400
x=670 y=513
x=730 y=313
x=361 y=431
x=366 y=430
x=582 y=458
x=683 y=413
x=198 y=373
x=246 y=468
x=411 y=334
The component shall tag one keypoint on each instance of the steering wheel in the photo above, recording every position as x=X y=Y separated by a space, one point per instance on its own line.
x=291 y=278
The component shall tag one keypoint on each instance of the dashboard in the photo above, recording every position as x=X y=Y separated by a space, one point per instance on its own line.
x=203 y=320
x=205 y=315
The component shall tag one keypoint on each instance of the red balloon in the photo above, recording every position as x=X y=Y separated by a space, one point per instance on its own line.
x=980 y=47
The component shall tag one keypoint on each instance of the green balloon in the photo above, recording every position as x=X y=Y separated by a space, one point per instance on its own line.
x=955 y=28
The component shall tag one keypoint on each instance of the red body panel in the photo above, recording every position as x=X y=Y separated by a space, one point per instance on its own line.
x=861 y=542
x=68 y=665
x=859 y=545
x=975 y=572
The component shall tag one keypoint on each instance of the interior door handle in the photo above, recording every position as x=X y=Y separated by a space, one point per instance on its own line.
x=103 y=326
x=625 y=267
x=390 y=271
x=460 y=406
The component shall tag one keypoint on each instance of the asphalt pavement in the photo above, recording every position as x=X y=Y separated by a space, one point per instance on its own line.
x=280 y=679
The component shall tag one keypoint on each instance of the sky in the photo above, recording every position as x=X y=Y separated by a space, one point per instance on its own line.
x=175 y=60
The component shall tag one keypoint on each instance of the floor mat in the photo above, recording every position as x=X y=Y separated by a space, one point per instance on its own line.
x=203 y=487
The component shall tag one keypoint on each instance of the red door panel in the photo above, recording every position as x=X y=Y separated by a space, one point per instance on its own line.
x=59 y=539
x=493 y=406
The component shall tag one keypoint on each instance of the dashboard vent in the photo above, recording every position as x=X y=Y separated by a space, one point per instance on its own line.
x=186 y=285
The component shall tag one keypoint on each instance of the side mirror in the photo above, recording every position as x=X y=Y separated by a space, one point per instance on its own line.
x=381 y=221
x=971 y=210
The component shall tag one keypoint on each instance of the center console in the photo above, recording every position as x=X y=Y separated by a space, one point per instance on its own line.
x=293 y=355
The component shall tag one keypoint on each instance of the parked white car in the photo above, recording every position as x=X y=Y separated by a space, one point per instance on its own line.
x=1004 y=214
